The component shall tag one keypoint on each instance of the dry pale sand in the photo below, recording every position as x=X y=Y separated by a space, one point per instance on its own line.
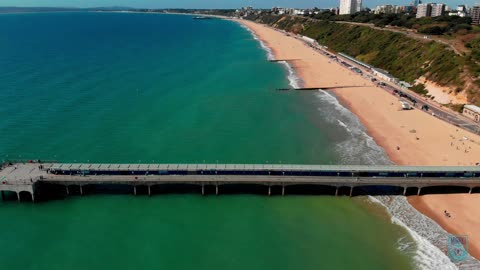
x=422 y=138
x=442 y=94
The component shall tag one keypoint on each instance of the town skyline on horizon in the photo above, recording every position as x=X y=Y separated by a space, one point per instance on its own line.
x=213 y=4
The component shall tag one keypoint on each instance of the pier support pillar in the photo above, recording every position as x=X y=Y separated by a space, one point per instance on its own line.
x=216 y=189
x=18 y=195
x=336 y=192
x=351 y=191
x=135 y=190
x=203 y=189
x=149 y=191
x=419 y=190
x=470 y=191
x=33 y=197
x=283 y=190
x=269 y=190
x=81 y=190
x=68 y=192
x=404 y=191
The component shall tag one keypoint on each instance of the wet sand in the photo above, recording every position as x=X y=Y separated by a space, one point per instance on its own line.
x=463 y=211
x=408 y=137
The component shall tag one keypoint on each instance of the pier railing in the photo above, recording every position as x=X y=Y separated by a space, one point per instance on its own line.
x=323 y=179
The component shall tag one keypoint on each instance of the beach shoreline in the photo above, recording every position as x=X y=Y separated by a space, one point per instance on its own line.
x=408 y=137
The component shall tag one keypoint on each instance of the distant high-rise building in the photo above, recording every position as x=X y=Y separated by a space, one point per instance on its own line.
x=350 y=6
x=437 y=9
x=388 y=9
x=430 y=10
x=424 y=10
x=476 y=15
x=358 y=6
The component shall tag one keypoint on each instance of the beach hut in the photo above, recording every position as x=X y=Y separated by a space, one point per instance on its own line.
x=472 y=112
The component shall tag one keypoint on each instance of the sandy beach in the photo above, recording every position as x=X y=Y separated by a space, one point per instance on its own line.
x=408 y=137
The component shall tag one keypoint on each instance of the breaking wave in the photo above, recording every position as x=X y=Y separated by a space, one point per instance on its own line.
x=293 y=80
x=356 y=146
x=269 y=52
x=429 y=237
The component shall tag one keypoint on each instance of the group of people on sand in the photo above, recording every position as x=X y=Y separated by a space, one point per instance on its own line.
x=467 y=148
x=447 y=214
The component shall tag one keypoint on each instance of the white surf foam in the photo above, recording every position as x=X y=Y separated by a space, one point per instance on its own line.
x=430 y=239
x=293 y=80
x=343 y=125
x=269 y=52
x=267 y=49
x=356 y=147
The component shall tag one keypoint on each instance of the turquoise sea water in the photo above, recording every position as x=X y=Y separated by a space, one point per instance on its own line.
x=165 y=88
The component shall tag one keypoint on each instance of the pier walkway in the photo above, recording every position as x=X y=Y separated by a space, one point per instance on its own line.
x=273 y=179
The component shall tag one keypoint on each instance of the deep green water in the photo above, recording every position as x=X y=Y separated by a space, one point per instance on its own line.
x=194 y=232
x=165 y=88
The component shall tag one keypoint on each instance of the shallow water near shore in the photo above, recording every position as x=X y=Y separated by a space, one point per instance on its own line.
x=90 y=87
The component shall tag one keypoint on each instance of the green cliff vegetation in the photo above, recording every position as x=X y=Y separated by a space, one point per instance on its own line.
x=404 y=57
x=428 y=25
x=420 y=89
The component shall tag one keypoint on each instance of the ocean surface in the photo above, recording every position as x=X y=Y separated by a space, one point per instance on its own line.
x=141 y=88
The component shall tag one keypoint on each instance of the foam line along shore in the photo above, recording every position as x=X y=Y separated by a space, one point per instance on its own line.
x=408 y=137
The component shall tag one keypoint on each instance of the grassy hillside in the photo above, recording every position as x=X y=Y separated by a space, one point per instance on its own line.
x=405 y=58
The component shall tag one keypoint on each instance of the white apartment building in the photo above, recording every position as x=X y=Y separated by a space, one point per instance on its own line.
x=388 y=9
x=350 y=6
x=430 y=10
x=437 y=9
x=461 y=11
x=475 y=15
x=424 y=10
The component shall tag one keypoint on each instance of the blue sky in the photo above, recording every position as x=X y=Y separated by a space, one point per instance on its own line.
x=209 y=3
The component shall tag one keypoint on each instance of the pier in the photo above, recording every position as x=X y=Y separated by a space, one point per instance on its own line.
x=28 y=178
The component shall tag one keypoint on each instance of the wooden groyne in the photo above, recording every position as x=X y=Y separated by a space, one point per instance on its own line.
x=283 y=60
x=317 y=88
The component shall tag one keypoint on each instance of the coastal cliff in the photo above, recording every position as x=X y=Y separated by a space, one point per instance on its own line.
x=406 y=58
